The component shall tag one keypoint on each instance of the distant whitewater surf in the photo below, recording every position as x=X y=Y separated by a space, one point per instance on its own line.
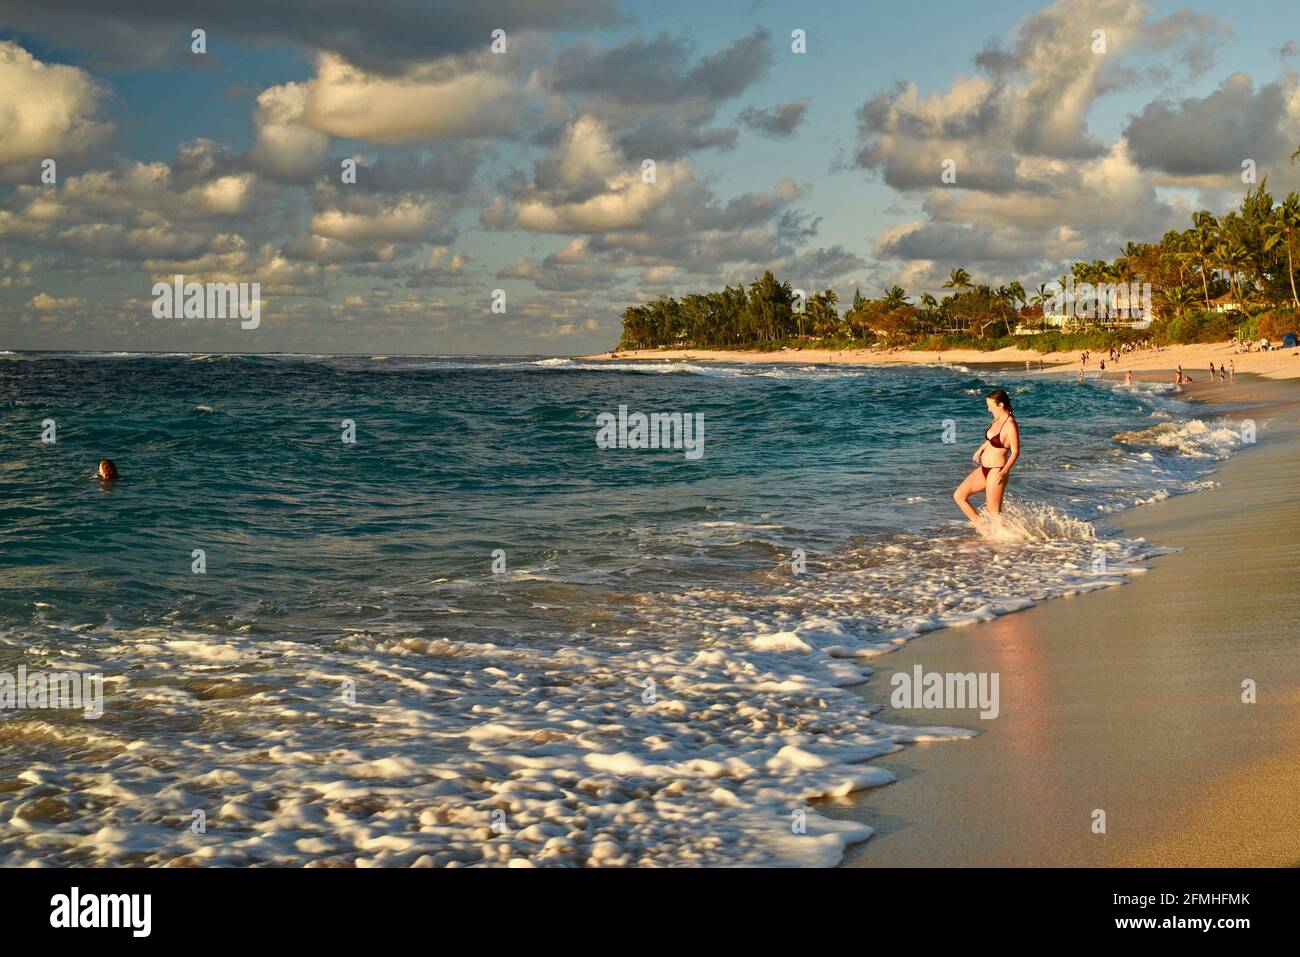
x=472 y=636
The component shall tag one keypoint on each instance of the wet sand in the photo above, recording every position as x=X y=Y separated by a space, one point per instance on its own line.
x=1127 y=700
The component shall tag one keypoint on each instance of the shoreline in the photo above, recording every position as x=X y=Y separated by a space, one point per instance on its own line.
x=1125 y=699
x=1195 y=359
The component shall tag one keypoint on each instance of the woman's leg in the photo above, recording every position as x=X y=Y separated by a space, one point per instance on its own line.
x=970 y=485
x=994 y=492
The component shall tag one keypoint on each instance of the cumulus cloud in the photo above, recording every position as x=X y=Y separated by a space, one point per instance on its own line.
x=43 y=302
x=400 y=197
x=456 y=97
x=284 y=145
x=447 y=166
x=325 y=249
x=552 y=275
x=1214 y=133
x=584 y=186
x=198 y=206
x=665 y=136
x=654 y=95
x=1030 y=99
x=439 y=268
x=819 y=268
x=659 y=72
x=406 y=219
x=46 y=110
x=779 y=120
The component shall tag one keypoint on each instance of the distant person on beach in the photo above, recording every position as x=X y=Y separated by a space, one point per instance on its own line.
x=1128 y=377
x=1232 y=370
x=994 y=459
x=107 y=471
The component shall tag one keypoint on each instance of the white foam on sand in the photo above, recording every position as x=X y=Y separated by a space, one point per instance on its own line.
x=565 y=750
x=1193 y=438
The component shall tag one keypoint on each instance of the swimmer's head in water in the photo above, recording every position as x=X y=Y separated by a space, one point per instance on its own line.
x=107 y=470
x=998 y=399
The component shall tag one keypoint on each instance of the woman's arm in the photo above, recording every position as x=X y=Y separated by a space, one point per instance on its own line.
x=1013 y=448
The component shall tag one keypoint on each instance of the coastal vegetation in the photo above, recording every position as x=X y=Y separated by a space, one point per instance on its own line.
x=1222 y=277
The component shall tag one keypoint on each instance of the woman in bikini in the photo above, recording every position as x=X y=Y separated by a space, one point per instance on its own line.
x=995 y=458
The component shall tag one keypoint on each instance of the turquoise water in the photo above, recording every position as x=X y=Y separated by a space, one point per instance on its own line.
x=370 y=565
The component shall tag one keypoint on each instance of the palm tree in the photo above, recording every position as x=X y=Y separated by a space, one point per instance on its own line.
x=1284 y=225
x=1199 y=250
x=958 y=279
x=1042 y=297
x=1201 y=242
x=831 y=298
x=1232 y=257
x=1178 y=298
x=896 y=297
x=1124 y=264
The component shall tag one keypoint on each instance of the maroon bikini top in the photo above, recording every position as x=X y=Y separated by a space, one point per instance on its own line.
x=995 y=439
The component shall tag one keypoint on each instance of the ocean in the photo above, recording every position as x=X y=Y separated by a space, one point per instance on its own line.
x=473 y=635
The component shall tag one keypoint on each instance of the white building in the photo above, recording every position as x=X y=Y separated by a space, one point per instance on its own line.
x=1100 y=306
x=1228 y=302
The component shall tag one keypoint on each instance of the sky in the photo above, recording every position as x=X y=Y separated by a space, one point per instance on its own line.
x=515 y=173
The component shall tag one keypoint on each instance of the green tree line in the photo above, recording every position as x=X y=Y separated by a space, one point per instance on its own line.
x=1249 y=254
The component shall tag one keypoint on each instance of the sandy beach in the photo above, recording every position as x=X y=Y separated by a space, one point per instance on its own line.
x=1195 y=359
x=1127 y=700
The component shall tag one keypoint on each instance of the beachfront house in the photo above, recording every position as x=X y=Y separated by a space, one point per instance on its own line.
x=1105 y=306
x=1228 y=302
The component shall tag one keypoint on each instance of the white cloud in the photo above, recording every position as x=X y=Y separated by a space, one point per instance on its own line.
x=446 y=98
x=46 y=110
x=43 y=302
x=284 y=145
x=409 y=219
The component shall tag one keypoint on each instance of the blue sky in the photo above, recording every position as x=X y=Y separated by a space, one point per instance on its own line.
x=519 y=171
